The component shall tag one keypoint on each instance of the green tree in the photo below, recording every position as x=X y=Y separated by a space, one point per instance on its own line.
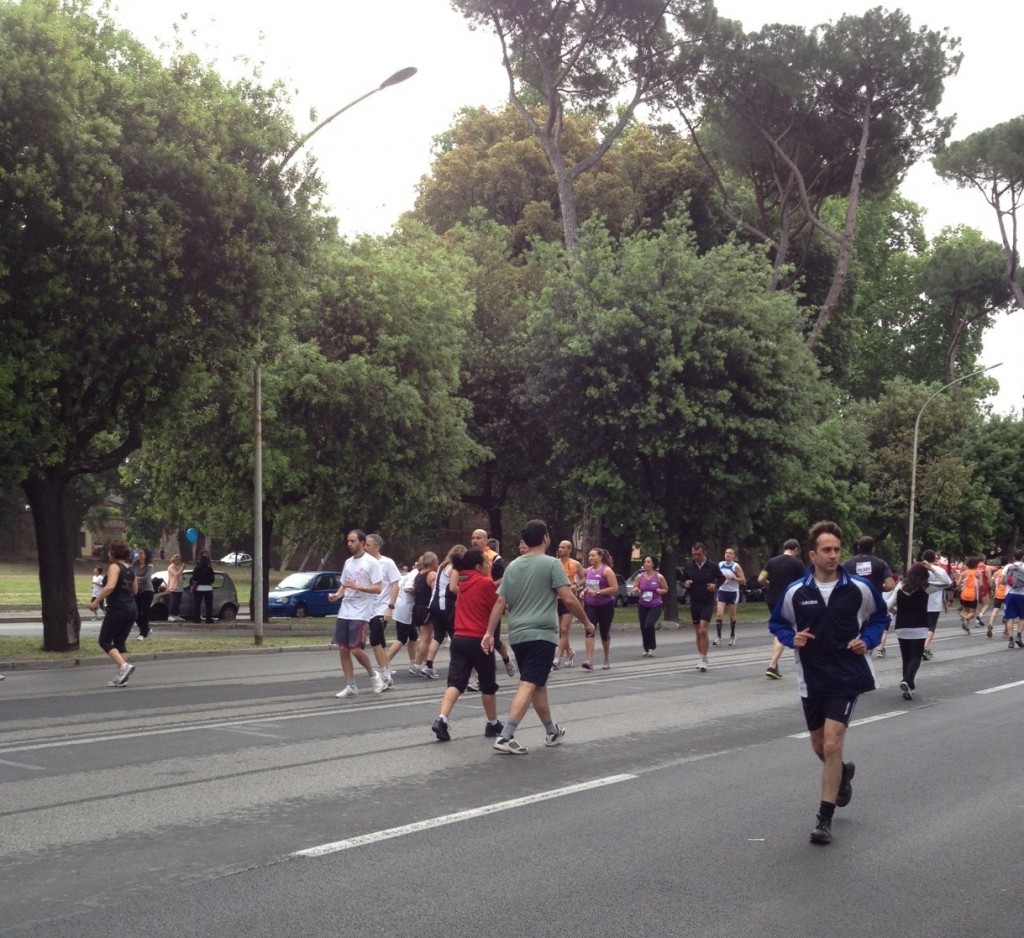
x=955 y=510
x=694 y=387
x=843 y=109
x=963 y=276
x=140 y=232
x=992 y=161
x=996 y=446
x=604 y=57
x=362 y=425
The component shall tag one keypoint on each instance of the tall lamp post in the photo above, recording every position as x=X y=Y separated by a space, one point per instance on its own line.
x=257 y=391
x=913 y=457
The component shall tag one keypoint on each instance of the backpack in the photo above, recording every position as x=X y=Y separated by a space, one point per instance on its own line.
x=969 y=590
x=1015 y=576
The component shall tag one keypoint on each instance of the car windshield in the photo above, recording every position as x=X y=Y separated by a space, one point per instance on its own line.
x=297 y=581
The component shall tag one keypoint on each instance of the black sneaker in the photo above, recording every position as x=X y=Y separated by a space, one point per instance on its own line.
x=822 y=833
x=493 y=730
x=1019 y=641
x=845 y=788
x=440 y=729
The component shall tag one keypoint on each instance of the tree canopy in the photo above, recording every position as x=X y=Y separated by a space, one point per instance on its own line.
x=139 y=230
x=992 y=161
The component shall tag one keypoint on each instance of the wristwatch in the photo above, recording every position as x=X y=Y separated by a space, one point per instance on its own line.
x=391 y=605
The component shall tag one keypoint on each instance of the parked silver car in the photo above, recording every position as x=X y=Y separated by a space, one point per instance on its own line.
x=225 y=598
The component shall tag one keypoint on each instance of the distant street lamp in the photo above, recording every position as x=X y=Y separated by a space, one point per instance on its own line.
x=257 y=392
x=913 y=459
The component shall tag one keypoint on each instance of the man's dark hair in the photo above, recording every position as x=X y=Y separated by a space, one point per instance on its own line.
x=1018 y=555
x=359 y=534
x=866 y=545
x=791 y=544
x=699 y=545
x=534 y=532
x=470 y=560
x=928 y=556
x=824 y=527
x=493 y=544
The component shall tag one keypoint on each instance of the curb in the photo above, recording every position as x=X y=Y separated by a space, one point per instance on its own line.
x=10 y=667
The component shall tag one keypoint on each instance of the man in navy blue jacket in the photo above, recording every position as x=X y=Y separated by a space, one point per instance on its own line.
x=832 y=619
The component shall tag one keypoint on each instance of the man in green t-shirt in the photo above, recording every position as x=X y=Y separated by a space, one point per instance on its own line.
x=530 y=590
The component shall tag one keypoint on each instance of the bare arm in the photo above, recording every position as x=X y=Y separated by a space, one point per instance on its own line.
x=487 y=642
x=573 y=604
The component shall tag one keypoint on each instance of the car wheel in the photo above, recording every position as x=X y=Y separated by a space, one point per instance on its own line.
x=619 y=602
x=300 y=611
x=158 y=613
x=228 y=613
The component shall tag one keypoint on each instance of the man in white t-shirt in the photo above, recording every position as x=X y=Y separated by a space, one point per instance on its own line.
x=383 y=607
x=361 y=583
x=406 y=632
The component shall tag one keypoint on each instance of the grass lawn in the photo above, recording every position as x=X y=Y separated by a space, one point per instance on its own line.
x=19 y=582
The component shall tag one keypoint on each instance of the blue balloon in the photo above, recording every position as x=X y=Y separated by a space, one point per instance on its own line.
x=192 y=534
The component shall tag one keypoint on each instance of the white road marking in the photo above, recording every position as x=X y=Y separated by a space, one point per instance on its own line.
x=874 y=719
x=23 y=765
x=430 y=823
x=992 y=690
x=244 y=732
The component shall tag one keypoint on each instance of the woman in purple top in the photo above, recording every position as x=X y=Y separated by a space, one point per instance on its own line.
x=600 y=590
x=650 y=586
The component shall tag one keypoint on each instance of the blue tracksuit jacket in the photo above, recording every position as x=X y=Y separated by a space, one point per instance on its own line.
x=825 y=667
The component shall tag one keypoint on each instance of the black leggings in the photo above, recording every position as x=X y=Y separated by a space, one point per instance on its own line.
x=601 y=616
x=117 y=626
x=202 y=598
x=143 y=602
x=911 y=651
x=649 y=616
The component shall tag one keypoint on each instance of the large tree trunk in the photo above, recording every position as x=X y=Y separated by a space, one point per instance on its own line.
x=845 y=255
x=56 y=536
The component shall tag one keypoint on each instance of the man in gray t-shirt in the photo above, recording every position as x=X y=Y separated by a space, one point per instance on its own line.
x=530 y=590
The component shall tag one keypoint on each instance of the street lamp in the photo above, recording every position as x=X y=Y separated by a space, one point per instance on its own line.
x=257 y=391
x=913 y=457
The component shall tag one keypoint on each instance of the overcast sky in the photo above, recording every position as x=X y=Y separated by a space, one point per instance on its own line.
x=373 y=156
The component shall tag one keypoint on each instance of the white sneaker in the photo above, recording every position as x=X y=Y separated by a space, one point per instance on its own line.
x=414 y=668
x=377 y=683
x=428 y=672
x=553 y=739
x=121 y=678
x=510 y=668
x=702 y=665
x=140 y=638
x=732 y=641
x=350 y=690
x=511 y=746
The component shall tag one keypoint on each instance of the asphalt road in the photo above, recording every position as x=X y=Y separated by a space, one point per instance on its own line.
x=680 y=804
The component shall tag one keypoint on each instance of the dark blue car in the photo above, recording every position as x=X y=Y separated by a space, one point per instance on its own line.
x=305 y=594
